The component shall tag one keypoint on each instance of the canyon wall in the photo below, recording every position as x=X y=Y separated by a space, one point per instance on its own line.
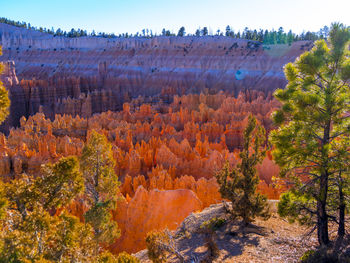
x=167 y=152
x=87 y=75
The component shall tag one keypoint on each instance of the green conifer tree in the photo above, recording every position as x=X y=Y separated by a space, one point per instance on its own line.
x=311 y=145
x=33 y=229
x=4 y=99
x=239 y=185
x=204 y=31
x=101 y=188
x=181 y=32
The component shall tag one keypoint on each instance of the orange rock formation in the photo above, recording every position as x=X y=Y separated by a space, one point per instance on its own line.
x=166 y=155
x=89 y=75
x=149 y=210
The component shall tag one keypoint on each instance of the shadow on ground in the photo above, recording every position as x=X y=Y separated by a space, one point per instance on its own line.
x=231 y=240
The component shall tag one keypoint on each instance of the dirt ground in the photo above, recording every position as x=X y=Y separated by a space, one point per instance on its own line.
x=274 y=240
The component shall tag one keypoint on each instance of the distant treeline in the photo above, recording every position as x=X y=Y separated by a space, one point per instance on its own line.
x=264 y=36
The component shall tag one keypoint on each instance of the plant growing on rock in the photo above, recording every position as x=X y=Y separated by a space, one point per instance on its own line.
x=213 y=224
x=155 y=241
x=160 y=244
x=239 y=185
x=208 y=228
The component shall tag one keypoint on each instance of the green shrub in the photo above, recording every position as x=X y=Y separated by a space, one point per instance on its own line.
x=126 y=258
x=307 y=255
x=213 y=224
x=321 y=255
x=106 y=257
x=156 y=251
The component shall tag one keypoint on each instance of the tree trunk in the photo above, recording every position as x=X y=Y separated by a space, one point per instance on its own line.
x=341 y=226
x=322 y=217
x=97 y=247
x=322 y=224
x=40 y=243
x=97 y=176
x=22 y=209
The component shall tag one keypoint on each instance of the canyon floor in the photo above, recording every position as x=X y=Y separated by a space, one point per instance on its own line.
x=274 y=240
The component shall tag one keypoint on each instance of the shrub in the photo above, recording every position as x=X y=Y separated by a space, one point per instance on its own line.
x=213 y=224
x=239 y=185
x=209 y=227
x=321 y=255
x=126 y=258
x=156 y=250
x=106 y=257
x=307 y=255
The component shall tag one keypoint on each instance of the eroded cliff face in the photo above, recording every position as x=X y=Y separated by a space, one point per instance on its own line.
x=166 y=155
x=88 y=75
x=149 y=210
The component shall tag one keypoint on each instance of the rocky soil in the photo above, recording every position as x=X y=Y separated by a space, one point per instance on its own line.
x=274 y=240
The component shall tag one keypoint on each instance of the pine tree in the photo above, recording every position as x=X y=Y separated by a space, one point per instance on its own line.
x=4 y=99
x=33 y=229
x=204 y=31
x=101 y=188
x=312 y=142
x=181 y=32
x=3 y=201
x=290 y=37
x=239 y=185
x=70 y=240
x=61 y=182
x=198 y=33
x=228 y=31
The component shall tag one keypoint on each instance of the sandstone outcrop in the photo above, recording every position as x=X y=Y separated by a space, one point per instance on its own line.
x=207 y=190
x=149 y=210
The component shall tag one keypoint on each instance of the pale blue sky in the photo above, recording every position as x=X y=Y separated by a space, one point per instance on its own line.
x=119 y=16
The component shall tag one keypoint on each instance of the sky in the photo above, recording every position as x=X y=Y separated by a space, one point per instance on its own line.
x=121 y=16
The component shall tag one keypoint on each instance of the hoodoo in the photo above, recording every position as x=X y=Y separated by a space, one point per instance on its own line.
x=87 y=75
